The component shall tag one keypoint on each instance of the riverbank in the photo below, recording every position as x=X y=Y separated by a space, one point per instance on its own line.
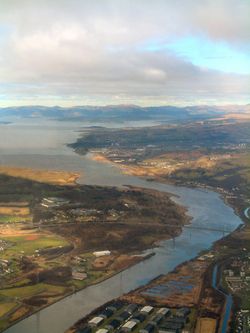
x=78 y=215
x=238 y=203
x=73 y=307
x=198 y=289
x=68 y=294
x=113 y=285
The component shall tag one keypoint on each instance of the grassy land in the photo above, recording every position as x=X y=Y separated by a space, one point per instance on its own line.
x=29 y=291
x=14 y=219
x=41 y=257
x=6 y=307
x=28 y=243
x=14 y=210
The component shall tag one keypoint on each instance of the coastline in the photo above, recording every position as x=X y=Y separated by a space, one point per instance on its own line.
x=128 y=170
x=100 y=280
x=107 y=277
x=52 y=177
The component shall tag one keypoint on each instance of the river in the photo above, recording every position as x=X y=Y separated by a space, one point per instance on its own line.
x=43 y=145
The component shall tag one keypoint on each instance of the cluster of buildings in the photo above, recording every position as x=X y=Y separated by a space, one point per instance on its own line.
x=124 y=318
x=53 y=202
x=78 y=268
x=3 y=245
x=84 y=212
x=243 y=321
x=75 y=211
x=4 y=266
x=237 y=276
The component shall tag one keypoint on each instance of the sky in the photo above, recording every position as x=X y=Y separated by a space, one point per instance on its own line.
x=144 y=52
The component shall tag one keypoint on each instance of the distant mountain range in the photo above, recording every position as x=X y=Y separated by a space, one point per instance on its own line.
x=124 y=112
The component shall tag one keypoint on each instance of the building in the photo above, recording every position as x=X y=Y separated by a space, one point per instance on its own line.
x=115 y=306
x=129 y=326
x=139 y=317
x=79 y=275
x=157 y=319
x=147 y=309
x=171 y=325
x=102 y=330
x=163 y=311
x=96 y=321
x=53 y=202
x=149 y=328
x=86 y=329
x=163 y=330
x=124 y=316
x=107 y=313
x=183 y=312
x=131 y=308
x=102 y=253
x=114 y=324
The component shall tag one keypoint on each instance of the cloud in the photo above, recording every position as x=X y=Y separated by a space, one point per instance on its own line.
x=91 y=50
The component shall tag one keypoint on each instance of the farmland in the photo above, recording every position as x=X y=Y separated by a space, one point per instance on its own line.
x=48 y=234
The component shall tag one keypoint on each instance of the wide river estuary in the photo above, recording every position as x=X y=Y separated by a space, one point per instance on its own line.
x=42 y=144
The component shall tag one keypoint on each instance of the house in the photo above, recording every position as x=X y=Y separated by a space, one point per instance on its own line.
x=147 y=309
x=96 y=321
x=129 y=326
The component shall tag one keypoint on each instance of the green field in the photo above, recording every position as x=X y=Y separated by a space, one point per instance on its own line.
x=6 y=307
x=32 y=290
x=14 y=219
x=29 y=243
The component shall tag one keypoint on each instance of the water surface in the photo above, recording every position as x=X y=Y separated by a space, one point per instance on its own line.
x=43 y=146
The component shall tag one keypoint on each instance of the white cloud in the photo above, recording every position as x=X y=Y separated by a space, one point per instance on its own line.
x=89 y=49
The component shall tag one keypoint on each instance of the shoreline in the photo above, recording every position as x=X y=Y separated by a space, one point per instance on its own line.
x=210 y=267
x=52 y=177
x=143 y=258
x=156 y=178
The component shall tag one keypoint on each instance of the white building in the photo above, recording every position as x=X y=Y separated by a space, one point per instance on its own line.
x=163 y=311
x=96 y=321
x=129 y=325
x=147 y=309
x=102 y=330
x=102 y=253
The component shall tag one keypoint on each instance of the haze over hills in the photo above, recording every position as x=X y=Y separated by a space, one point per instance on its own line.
x=124 y=112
